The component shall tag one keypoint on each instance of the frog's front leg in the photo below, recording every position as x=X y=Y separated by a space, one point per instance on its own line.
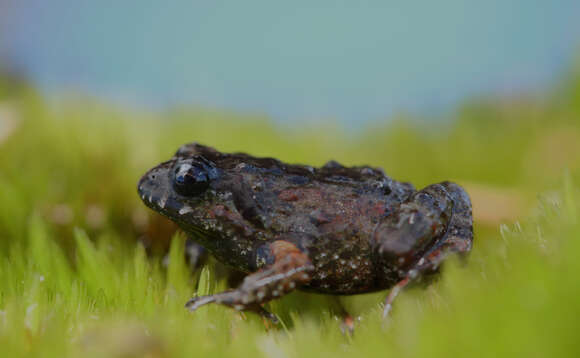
x=421 y=233
x=290 y=269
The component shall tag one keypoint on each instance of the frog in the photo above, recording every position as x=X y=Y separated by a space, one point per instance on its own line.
x=333 y=230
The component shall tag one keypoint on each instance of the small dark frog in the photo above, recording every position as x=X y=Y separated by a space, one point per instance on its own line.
x=333 y=230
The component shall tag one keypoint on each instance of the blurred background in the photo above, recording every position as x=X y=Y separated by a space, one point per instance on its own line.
x=298 y=61
x=93 y=93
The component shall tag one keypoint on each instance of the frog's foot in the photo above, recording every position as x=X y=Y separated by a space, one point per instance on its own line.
x=222 y=298
x=347 y=321
x=434 y=223
x=347 y=325
x=291 y=268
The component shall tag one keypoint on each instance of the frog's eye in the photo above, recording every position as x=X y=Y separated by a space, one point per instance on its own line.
x=190 y=180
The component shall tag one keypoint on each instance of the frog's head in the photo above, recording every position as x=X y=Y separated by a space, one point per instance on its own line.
x=192 y=189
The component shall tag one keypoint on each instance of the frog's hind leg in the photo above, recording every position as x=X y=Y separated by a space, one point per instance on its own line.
x=290 y=269
x=434 y=223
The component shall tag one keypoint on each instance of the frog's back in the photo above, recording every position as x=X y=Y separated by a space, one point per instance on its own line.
x=327 y=206
x=279 y=197
x=284 y=198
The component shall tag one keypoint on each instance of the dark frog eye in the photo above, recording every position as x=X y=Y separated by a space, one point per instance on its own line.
x=191 y=179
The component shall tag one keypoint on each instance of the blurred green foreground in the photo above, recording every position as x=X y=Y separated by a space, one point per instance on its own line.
x=81 y=259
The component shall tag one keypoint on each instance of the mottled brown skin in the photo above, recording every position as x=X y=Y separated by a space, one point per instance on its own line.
x=332 y=230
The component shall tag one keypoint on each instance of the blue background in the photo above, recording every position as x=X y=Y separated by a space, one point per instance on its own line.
x=353 y=61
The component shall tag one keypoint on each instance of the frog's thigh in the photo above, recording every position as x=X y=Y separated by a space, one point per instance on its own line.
x=458 y=236
x=414 y=226
x=290 y=269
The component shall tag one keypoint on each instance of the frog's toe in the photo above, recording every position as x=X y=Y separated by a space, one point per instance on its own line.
x=197 y=302
x=347 y=325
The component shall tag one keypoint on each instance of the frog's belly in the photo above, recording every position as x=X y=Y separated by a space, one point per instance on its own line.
x=346 y=268
x=347 y=281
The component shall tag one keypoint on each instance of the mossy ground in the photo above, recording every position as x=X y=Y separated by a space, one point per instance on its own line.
x=81 y=259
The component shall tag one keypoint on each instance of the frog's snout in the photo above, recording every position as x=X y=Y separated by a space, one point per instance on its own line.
x=153 y=188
